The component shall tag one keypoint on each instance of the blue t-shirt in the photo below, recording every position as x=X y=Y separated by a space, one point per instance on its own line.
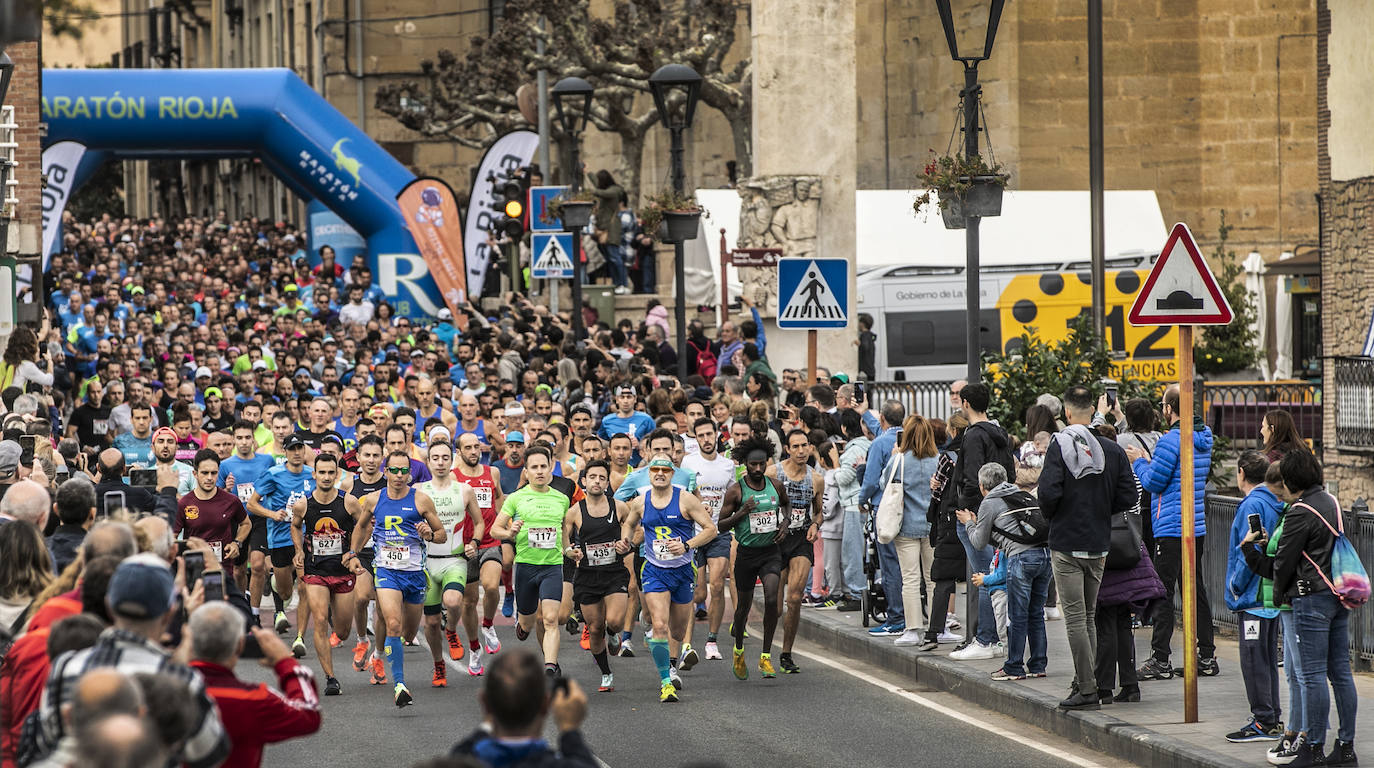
x=137 y=452
x=349 y=434
x=637 y=425
x=280 y=488
x=246 y=473
x=510 y=476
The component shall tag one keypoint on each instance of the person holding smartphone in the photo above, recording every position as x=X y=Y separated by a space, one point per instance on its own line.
x=213 y=514
x=1257 y=516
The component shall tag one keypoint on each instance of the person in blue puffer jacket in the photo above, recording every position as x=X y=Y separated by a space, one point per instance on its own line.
x=1161 y=475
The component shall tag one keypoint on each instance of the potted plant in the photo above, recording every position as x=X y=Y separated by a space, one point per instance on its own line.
x=678 y=214
x=573 y=208
x=963 y=186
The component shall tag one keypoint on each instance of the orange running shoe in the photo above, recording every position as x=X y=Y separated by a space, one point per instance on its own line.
x=334 y=641
x=378 y=671
x=455 y=647
x=586 y=641
x=360 y=655
x=440 y=675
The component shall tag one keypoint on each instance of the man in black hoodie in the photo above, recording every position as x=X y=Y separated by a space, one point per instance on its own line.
x=985 y=441
x=515 y=701
x=1086 y=479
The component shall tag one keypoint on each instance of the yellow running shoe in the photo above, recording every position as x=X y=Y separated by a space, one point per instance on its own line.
x=667 y=693
x=741 y=667
x=766 y=665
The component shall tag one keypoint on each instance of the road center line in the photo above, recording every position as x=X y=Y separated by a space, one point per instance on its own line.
x=916 y=698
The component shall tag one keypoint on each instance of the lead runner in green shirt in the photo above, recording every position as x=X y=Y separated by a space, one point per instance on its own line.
x=536 y=520
x=753 y=508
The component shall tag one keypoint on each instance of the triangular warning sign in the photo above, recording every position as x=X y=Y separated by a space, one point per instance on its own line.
x=1181 y=289
x=553 y=259
x=813 y=299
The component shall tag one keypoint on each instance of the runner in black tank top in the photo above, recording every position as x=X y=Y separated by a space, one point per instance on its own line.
x=369 y=453
x=601 y=585
x=328 y=529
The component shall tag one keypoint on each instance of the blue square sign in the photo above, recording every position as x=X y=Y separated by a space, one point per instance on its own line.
x=553 y=255
x=539 y=203
x=813 y=293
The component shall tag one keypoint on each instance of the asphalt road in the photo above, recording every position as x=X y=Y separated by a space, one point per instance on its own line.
x=820 y=717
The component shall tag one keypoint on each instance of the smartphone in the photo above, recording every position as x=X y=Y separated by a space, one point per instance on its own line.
x=858 y=391
x=214 y=585
x=112 y=501
x=195 y=566
x=28 y=443
x=143 y=478
x=1255 y=526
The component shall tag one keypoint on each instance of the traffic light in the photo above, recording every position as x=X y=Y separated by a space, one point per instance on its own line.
x=510 y=196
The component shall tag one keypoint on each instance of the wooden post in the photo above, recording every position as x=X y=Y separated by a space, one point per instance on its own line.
x=811 y=357
x=1188 y=541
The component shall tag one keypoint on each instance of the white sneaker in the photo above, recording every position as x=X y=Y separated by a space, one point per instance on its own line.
x=975 y=650
x=949 y=637
x=713 y=652
x=1053 y=614
x=475 y=667
x=909 y=637
x=491 y=642
x=621 y=290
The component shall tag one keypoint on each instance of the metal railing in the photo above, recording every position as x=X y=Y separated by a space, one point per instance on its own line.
x=1354 y=409
x=928 y=398
x=1234 y=409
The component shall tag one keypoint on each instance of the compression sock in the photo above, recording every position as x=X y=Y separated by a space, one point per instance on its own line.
x=277 y=601
x=658 y=646
x=672 y=662
x=486 y=623
x=475 y=644
x=395 y=658
x=602 y=662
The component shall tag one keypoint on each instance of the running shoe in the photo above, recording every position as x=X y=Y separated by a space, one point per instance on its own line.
x=712 y=652
x=475 y=667
x=613 y=643
x=455 y=646
x=949 y=637
x=440 y=675
x=571 y=624
x=667 y=693
x=378 y=671
x=675 y=679
x=282 y=624
x=360 y=655
x=298 y=648
x=521 y=633
x=700 y=614
x=1255 y=731
x=607 y=682
x=334 y=640
x=403 y=697
x=888 y=629
x=586 y=641
x=1207 y=667
x=552 y=670
x=508 y=605
x=690 y=657
x=740 y=667
x=1154 y=669
x=788 y=665
x=732 y=631
x=490 y=641
x=332 y=687
x=627 y=650
x=1002 y=676
x=974 y=651
x=811 y=601
x=766 y=666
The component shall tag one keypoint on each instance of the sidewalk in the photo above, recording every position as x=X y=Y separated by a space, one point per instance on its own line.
x=1149 y=733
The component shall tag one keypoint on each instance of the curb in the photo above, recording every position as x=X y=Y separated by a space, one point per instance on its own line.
x=1096 y=730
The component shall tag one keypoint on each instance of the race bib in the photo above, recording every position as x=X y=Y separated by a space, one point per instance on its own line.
x=244 y=491
x=218 y=548
x=661 y=550
x=393 y=555
x=100 y=427
x=798 y=519
x=712 y=498
x=329 y=544
x=483 y=497
x=763 y=522
x=543 y=538
x=601 y=554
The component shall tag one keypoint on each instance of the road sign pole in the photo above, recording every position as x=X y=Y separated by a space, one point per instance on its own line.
x=811 y=357
x=1189 y=543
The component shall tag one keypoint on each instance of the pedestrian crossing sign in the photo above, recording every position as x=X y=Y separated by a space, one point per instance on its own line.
x=813 y=293
x=552 y=255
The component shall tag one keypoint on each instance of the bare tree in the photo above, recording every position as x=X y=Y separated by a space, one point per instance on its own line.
x=472 y=101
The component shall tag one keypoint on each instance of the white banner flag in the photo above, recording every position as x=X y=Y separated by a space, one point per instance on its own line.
x=508 y=154
x=59 y=167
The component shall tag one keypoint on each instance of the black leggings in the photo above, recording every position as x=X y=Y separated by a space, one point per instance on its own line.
x=944 y=590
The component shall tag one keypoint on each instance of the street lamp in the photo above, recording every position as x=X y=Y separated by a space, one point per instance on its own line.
x=970 y=95
x=572 y=99
x=6 y=72
x=672 y=84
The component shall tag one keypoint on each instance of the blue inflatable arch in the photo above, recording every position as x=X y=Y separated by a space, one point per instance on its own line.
x=268 y=113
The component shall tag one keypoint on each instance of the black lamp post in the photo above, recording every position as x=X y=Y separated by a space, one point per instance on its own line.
x=572 y=99
x=971 y=94
x=670 y=84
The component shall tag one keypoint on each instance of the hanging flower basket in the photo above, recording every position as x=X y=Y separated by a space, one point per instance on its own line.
x=952 y=212
x=573 y=208
x=672 y=216
x=682 y=225
x=576 y=215
x=969 y=186
x=983 y=197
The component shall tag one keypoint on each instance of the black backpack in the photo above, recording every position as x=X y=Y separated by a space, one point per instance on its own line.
x=1028 y=525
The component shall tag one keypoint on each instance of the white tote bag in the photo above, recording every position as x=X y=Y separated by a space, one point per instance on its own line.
x=892 y=505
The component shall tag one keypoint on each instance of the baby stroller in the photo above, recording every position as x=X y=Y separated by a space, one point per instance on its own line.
x=873 y=601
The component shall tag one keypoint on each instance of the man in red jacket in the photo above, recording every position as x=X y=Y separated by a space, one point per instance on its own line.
x=253 y=715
